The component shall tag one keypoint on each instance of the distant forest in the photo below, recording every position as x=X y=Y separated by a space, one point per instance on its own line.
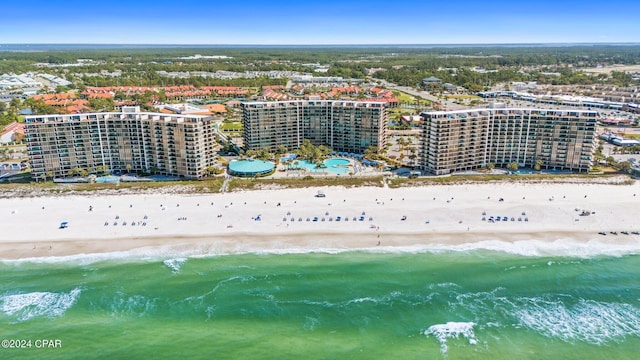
x=401 y=65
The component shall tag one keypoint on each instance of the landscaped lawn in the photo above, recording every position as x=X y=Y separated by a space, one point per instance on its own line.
x=231 y=126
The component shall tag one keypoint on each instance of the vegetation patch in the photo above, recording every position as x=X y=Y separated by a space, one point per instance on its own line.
x=613 y=179
x=50 y=188
x=305 y=182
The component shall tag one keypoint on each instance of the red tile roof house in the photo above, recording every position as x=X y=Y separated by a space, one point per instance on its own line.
x=12 y=132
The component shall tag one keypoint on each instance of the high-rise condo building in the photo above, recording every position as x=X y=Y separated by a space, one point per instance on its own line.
x=177 y=145
x=455 y=141
x=350 y=126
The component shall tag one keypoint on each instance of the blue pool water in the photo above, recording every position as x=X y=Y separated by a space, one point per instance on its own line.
x=108 y=179
x=527 y=171
x=334 y=165
x=336 y=162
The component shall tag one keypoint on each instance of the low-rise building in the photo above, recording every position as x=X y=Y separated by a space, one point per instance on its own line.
x=12 y=132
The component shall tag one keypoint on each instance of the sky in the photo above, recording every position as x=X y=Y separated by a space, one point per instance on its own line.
x=319 y=22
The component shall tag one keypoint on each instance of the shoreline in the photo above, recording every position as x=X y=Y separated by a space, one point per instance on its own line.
x=551 y=244
x=261 y=220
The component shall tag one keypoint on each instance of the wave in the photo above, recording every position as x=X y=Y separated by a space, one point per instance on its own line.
x=589 y=321
x=35 y=304
x=528 y=248
x=124 y=304
x=148 y=254
x=174 y=264
x=450 y=330
x=220 y=284
x=564 y=317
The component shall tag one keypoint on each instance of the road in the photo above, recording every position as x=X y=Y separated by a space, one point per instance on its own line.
x=448 y=105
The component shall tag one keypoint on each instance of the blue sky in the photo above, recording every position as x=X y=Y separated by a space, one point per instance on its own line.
x=318 y=22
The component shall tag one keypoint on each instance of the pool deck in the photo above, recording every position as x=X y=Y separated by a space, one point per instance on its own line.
x=283 y=171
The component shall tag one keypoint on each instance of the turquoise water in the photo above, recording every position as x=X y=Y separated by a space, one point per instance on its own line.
x=336 y=162
x=108 y=179
x=353 y=305
x=334 y=165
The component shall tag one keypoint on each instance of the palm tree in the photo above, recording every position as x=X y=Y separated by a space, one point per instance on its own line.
x=402 y=143
x=281 y=149
x=371 y=153
x=102 y=169
x=210 y=171
x=538 y=165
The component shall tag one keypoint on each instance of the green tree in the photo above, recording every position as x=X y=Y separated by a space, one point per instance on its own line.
x=77 y=171
x=15 y=104
x=102 y=169
x=312 y=153
x=281 y=149
x=513 y=166
x=100 y=104
x=39 y=107
x=371 y=153
x=624 y=166
x=538 y=165
x=210 y=170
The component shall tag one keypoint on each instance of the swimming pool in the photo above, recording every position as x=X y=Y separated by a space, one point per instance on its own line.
x=334 y=165
x=528 y=171
x=108 y=179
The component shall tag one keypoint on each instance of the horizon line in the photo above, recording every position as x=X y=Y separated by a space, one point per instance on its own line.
x=322 y=44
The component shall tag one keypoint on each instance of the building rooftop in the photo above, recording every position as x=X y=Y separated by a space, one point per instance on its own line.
x=486 y=111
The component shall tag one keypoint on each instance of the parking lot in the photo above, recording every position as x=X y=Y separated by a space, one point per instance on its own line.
x=10 y=168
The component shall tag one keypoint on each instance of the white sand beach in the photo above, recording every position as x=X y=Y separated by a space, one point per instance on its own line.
x=276 y=220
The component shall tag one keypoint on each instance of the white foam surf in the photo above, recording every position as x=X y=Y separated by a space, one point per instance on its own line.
x=561 y=317
x=589 y=321
x=35 y=304
x=174 y=264
x=529 y=248
x=150 y=254
x=125 y=304
x=451 y=330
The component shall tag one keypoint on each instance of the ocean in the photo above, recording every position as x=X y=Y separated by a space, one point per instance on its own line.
x=376 y=304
